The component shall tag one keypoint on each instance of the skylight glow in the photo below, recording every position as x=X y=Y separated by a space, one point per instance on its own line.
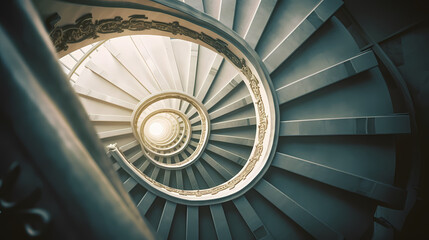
x=156 y=129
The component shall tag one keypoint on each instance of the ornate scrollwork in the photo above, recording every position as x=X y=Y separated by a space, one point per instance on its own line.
x=85 y=28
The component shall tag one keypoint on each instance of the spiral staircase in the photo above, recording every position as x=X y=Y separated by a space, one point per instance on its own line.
x=180 y=123
x=239 y=119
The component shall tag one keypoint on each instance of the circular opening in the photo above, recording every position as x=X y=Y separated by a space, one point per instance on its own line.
x=156 y=129
x=166 y=145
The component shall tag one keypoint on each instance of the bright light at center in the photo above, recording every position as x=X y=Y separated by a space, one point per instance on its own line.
x=156 y=129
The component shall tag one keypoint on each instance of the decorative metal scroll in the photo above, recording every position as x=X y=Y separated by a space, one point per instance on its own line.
x=85 y=28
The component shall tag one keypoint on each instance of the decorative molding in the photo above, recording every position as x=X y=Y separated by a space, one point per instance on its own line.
x=85 y=28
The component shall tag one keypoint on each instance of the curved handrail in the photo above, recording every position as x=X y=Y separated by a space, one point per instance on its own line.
x=208 y=32
x=83 y=58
